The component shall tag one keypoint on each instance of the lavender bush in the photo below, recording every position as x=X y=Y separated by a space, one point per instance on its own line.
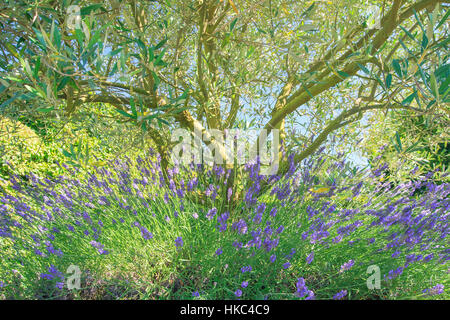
x=137 y=234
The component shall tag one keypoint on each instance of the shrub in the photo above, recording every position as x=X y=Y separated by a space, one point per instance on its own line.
x=312 y=235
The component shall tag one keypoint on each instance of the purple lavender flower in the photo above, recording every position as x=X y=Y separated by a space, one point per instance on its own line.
x=340 y=295
x=244 y=284
x=47 y=276
x=246 y=269
x=347 y=265
x=395 y=273
x=237 y=244
x=310 y=258
x=257 y=218
x=280 y=229
x=261 y=208
x=436 y=290
x=146 y=234
x=428 y=257
x=311 y=295
x=53 y=273
x=178 y=242
x=240 y=226
x=229 y=193
x=238 y=293
x=273 y=212
x=99 y=247
x=211 y=213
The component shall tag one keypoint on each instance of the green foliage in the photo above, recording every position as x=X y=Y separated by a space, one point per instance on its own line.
x=154 y=268
x=22 y=151
x=90 y=138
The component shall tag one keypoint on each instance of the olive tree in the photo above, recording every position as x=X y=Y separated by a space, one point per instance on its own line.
x=211 y=64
